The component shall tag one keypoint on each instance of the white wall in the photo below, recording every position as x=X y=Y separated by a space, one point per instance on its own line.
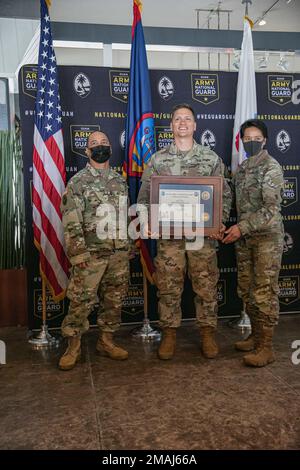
x=15 y=36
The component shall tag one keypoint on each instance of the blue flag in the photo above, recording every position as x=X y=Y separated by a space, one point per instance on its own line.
x=139 y=139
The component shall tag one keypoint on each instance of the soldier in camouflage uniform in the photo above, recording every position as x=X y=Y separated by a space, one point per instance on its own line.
x=259 y=233
x=187 y=158
x=99 y=266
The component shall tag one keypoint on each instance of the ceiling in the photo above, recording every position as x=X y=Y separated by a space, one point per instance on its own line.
x=179 y=14
x=283 y=16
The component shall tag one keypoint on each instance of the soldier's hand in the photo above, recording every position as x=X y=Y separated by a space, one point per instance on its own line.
x=219 y=235
x=232 y=234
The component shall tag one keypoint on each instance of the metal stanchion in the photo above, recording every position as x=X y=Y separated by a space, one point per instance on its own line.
x=242 y=323
x=43 y=340
x=145 y=332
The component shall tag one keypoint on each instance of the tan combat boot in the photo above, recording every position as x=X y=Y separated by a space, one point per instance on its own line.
x=106 y=347
x=209 y=346
x=166 y=348
x=264 y=353
x=250 y=342
x=72 y=354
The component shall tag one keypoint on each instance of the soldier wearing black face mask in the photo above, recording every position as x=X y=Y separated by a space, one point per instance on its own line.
x=100 y=268
x=100 y=153
x=258 y=184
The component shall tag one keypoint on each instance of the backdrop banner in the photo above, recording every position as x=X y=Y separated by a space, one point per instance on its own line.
x=95 y=98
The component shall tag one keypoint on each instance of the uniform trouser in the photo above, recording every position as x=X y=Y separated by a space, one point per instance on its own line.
x=171 y=263
x=103 y=281
x=259 y=262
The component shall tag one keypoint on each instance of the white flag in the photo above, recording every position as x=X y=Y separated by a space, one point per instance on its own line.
x=246 y=105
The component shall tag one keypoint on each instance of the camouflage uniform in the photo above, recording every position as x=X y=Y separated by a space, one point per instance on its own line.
x=106 y=274
x=258 y=184
x=172 y=258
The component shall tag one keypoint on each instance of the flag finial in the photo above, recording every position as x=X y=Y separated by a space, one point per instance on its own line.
x=249 y=21
x=139 y=4
x=246 y=2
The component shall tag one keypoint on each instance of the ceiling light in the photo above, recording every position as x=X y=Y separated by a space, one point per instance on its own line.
x=283 y=63
x=262 y=22
x=263 y=61
x=236 y=60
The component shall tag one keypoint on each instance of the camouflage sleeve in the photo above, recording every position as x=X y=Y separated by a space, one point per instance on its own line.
x=144 y=193
x=272 y=187
x=219 y=170
x=72 y=207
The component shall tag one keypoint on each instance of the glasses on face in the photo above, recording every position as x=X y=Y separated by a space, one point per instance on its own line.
x=254 y=139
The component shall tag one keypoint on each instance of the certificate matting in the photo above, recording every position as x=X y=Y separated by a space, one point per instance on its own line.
x=179 y=196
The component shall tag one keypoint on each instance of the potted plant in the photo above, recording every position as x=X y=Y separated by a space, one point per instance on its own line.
x=13 y=305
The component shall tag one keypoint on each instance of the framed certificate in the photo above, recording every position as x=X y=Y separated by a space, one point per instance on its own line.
x=190 y=204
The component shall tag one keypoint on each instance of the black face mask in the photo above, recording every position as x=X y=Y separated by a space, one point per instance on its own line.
x=252 y=148
x=101 y=153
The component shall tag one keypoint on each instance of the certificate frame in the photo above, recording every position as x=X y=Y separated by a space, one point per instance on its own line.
x=208 y=185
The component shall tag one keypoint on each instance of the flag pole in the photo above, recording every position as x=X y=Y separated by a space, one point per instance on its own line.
x=146 y=332
x=48 y=186
x=139 y=142
x=246 y=5
x=43 y=340
x=243 y=322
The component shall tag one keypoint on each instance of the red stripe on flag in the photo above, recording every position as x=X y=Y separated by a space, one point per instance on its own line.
x=57 y=290
x=36 y=233
x=48 y=186
x=237 y=141
x=57 y=157
x=50 y=275
x=147 y=261
x=50 y=233
x=136 y=17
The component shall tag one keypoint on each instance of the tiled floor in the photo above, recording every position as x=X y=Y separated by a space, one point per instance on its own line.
x=144 y=403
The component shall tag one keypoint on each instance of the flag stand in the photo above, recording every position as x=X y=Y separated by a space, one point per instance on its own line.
x=43 y=340
x=242 y=323
x=145 y=332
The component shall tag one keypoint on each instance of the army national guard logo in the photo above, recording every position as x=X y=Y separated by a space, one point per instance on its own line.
x=165 y=88
x=133 y=304
x=221 y=292
x=280 y=89
x=283 y=141
x=208 y=139
x=163 y=137
x=53 y=309
x=82 y=85
x=288 y=289
x=119 y=85
x=205 y=87
x=79 y=137
x=29 y=80
x=290 y=191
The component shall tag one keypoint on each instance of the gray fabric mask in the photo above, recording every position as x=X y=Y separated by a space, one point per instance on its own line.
x=252 y=148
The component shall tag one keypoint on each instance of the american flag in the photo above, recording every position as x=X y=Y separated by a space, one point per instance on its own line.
x=49 y=174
